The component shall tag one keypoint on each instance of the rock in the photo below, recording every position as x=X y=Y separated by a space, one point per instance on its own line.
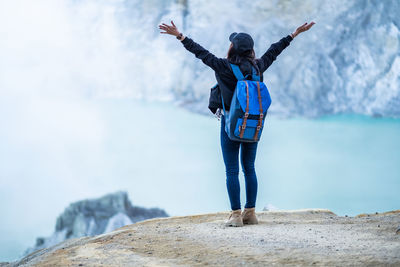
x=398 y=230
x=378 y=214
x=204 y=241
x=270 y=207
x=96 y=216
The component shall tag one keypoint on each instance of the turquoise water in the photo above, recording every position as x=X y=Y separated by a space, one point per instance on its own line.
x=348 y=164
x=167 y=157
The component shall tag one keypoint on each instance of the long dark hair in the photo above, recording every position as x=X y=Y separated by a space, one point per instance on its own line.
x=238 y=59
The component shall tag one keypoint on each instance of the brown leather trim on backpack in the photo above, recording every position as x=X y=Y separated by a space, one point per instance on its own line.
x=246 y=114
x=261 y=113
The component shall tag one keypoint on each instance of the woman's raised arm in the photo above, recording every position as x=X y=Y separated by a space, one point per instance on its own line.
x=208 y=58
x=276 y=48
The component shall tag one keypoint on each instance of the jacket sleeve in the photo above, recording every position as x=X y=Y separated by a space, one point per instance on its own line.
x=208 y=58
x=273 y=51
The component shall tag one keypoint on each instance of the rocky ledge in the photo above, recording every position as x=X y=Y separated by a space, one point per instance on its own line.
x=298 y=237
x=92 y=217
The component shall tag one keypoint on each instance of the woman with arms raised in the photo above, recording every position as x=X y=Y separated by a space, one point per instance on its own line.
x=240 y=53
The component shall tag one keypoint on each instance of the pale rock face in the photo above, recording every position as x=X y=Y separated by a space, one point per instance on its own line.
x=92 y=227
x=79 y=227
x=347 y=63
x=117 y=221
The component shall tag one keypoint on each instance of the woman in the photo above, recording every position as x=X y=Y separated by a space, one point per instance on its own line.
x=240 y=53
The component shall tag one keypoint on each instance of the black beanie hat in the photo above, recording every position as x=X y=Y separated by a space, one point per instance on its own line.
x=241 y=41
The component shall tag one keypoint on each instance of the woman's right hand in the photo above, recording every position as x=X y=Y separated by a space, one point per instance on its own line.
x=169 y=29
x=303 y=28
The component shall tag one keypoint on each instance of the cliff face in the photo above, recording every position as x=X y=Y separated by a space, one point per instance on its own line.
x=300 y=237
x=96 y=216
x=349 y=62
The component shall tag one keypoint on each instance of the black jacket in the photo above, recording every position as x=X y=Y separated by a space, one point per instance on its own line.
x=223 y=72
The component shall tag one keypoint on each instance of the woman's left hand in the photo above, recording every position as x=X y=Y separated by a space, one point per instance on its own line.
x=169 y=29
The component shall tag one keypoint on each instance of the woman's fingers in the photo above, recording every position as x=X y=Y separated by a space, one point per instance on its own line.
x=165 y=28
x=309 y=25
x=302 y=26
x=168 y=29
x=170 y=26
x=305 y=27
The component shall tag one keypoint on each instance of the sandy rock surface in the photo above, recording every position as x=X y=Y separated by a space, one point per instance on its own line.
x=298 y=237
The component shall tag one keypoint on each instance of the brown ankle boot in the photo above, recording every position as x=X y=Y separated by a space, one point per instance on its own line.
x=235 y=218
x=249 y=216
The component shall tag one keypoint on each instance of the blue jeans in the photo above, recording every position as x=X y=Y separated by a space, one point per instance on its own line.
x=230 y=152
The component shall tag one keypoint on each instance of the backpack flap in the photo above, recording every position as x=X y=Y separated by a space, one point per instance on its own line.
x=254 y=106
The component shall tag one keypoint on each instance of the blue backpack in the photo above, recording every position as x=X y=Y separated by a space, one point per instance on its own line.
x=250 y=102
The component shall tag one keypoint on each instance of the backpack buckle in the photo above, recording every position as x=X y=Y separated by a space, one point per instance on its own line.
x=258 y=127
x=246 y=114
x=261 y=115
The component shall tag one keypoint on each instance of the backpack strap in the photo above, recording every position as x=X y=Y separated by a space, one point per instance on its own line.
x=223 y=104
x=239 y=75
x=236 y=71
x=261 y=113
x=255 y=77
x=246 y=114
